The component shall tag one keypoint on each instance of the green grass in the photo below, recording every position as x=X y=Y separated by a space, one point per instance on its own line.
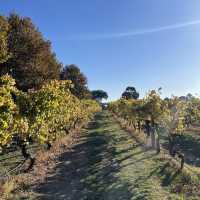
x=137 y=169
x=108 y=164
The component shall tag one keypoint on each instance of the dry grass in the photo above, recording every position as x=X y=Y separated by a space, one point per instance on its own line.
x=20 y=186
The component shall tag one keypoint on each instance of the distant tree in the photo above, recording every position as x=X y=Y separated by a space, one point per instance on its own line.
x=3 y=39
x=166 y=99
x=183 y=98
x=31 y=62
x=79 y=80
x=99 y=95
x=130 y=93
x=189 y=96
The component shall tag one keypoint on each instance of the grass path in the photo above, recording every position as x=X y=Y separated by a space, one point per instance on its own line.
x=106 y=164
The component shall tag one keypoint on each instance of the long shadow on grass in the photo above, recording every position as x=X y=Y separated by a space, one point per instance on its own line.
x=190 y=146
x=168 y=174
x=88 y=171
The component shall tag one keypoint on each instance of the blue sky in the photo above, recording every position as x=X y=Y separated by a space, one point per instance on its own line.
x=117 y=43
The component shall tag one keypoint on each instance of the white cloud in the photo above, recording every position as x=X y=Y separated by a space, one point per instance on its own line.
x=134 y=32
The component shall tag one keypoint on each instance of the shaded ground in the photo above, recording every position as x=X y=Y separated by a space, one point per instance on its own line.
x=107 y=164
x=10 y=160
x=189 y=144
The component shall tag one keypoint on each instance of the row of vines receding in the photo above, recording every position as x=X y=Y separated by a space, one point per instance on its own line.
x=39 y=116
x=152 y=115
x=40 y=99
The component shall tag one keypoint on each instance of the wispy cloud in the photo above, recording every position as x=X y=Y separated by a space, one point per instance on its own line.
x=134 y=32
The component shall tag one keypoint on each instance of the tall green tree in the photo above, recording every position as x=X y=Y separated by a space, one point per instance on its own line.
x=130 y=93
x=99 y=95
x=3 y=39
x=79 y=81
x=32 y=61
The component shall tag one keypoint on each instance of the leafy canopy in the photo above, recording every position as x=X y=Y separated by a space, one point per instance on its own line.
x=4 y=27
x=79 y=80
x=99 y=95
x=31 y=62
x=130 y=93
